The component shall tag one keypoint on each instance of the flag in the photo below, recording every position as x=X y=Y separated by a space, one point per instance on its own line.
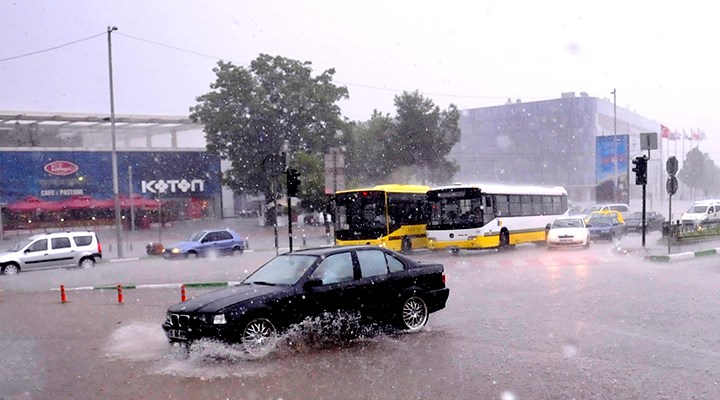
x=664 y=132
x=695 y=134
x=674 y=135
x=701 y=135
x=688 y=137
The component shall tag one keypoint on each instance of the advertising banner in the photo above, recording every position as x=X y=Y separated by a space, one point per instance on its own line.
x=611 y=169
x=52 y=176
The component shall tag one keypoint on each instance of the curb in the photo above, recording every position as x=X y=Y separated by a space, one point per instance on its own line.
x=683 y=256
x=156 y=286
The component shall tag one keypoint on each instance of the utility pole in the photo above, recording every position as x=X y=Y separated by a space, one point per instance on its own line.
x=113 y=139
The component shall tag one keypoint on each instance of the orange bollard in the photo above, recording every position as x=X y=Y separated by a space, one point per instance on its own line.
x=63 y=297
x=120 y=297
x=182 y=292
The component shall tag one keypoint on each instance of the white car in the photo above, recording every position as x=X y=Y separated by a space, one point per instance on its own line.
x=568 y=232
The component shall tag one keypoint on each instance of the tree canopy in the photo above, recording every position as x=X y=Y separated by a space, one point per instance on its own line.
x=251 y=111
x=699 y=172
x=414 y=142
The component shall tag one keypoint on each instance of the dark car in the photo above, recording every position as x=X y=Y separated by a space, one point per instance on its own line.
x=380 y=285
x=605 y=227
x=205 y=243
x=653 y=222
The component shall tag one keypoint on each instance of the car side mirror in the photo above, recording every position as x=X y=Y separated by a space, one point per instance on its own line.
x=26 y=251
x=311 y=283
x=587 y=225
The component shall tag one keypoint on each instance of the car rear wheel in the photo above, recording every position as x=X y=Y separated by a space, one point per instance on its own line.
x=413 y=314
x=87 y=262
x=236 y=251
x=11 y=269
x=259 y=337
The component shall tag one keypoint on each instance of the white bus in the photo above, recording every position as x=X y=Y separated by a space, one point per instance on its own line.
x=480 y=216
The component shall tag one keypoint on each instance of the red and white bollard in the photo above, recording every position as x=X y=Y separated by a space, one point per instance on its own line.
x=182 y=292
x=63 y=297
x=120 y=296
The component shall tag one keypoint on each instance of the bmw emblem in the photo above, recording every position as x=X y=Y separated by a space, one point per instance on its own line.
x=452 y=235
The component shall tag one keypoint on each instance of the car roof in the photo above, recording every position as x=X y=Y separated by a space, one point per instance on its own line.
x=54 y=234
x=327 y=250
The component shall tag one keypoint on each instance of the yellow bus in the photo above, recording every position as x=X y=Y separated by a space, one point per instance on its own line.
x=392 y=216
x=480 y=216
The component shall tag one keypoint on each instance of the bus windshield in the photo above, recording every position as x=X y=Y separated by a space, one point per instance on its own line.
x=360 y=215
x=457 y=209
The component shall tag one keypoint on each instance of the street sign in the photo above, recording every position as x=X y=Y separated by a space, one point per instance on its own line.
x=671 y=185
x=671 y=166
x=648 y=141
x=334 y=171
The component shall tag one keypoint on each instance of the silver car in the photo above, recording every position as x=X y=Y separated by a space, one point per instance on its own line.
x=52 y=250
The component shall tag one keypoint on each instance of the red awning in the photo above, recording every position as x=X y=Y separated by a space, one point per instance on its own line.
x=32 y=204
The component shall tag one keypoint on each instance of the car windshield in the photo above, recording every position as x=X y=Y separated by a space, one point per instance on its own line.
x=698 y=209
x=20 y=245
x=590 y=209
x=600 y=221
x=282 y=270
x=196 y=236
x=567 y=223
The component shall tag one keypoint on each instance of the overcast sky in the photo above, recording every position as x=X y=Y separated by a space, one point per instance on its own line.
x=662 y=59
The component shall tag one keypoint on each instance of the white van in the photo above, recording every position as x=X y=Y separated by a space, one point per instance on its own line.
x=701 y=212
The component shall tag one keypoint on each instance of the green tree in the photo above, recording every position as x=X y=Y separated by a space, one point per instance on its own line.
x=251 y=111
x=699 y=172
x=413 y=144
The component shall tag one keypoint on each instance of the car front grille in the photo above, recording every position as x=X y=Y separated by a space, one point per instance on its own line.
x=181 y=320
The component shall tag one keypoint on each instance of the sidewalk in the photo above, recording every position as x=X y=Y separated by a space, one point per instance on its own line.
x=258 y=238
x=656 y=249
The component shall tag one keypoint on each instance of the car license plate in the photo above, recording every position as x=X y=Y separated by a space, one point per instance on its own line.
x=177 y=334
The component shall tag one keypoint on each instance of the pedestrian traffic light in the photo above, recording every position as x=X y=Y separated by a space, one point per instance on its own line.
x=640 y=170
x=293 y=182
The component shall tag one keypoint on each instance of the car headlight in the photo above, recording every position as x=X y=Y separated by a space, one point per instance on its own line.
x=175 y=250
x=219 y=319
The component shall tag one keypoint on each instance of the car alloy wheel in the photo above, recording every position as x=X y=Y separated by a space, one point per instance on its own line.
x=259 y=337
x=87 y=263
x=11 y=269
x=414 y=314
x=237 y=251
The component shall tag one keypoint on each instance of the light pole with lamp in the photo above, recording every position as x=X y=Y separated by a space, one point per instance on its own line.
x=615 y=156
x=116 y=189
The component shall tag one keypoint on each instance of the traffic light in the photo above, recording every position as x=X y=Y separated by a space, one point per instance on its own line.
x=640 y=170
x=293 y=182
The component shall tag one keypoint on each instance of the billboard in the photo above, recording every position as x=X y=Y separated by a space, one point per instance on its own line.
x=611 y=169
x=59 y=175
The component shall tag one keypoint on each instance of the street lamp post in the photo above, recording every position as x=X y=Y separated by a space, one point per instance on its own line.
x=116 y=189
x=615 y=156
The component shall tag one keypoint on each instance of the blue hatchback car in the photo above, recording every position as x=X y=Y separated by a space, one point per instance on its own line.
x=206 y=243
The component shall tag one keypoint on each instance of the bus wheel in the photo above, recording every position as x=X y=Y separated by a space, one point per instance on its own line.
x=406 y=246
x=504 y=239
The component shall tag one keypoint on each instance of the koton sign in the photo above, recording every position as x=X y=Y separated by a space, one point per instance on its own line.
x=61 y=168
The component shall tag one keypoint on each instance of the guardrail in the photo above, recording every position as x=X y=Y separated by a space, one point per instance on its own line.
x=680 y=231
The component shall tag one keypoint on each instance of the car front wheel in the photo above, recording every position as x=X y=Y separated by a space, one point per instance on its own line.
x=259 y=337
x=11 y=269
x=413 y=314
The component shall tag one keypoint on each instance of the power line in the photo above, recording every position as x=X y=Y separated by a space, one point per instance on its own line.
x=170 y=47
x=51 y=48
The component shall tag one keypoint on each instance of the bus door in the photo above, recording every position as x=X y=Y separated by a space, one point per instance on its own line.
x=488 y=209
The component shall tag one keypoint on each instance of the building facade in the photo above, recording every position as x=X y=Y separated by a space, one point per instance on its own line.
x=553 y=142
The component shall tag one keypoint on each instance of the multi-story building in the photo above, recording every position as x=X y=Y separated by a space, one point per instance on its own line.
x=555 y=142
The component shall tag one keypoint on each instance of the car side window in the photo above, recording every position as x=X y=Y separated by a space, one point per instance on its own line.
x=335 y=268
x=223 y=235
x=372 y=262
x=60 y=243
x=39 y=245
x=394 y=264
x=82 y=240
x=209 y=237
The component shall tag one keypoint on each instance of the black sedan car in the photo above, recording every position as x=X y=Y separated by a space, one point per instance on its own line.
x=378 y=284
x=605 y=227
x=653 y=222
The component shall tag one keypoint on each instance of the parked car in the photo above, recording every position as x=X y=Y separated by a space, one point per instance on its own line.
x=568 y=232
x=52 y=250
x=379 y=284
x=207 y=242
x=653 y=222
x=605 y=227
x=701 y=212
